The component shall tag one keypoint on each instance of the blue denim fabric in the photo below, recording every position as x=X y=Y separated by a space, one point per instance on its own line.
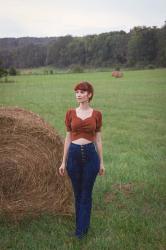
x=82 y=166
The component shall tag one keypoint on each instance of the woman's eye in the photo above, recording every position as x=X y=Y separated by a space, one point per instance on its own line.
x=81 y=92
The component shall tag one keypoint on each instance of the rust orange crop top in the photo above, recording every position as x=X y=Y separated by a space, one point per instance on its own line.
x=83 y=128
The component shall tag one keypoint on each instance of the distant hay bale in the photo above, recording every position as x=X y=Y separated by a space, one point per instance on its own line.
x=113 y=73
x=30 y=155
x=117 y=74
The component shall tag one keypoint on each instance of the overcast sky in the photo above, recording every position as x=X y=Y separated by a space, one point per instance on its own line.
x=41 y=18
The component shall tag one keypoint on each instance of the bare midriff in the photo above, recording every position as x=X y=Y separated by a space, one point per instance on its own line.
x=81 y=141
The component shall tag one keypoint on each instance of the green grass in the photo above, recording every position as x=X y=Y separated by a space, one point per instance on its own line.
x=134 y=151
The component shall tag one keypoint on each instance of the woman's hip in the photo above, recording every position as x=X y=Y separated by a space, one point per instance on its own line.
x=84 y=156
x=85 y=151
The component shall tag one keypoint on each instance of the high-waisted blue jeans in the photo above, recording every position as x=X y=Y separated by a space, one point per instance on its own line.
x=82 y=166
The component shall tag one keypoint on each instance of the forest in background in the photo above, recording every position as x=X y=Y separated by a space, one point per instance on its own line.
x=141 y=47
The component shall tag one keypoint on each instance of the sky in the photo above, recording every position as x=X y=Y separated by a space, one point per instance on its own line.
x=50 y=18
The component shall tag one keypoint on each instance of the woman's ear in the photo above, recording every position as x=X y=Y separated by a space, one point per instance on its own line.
x=89 y=95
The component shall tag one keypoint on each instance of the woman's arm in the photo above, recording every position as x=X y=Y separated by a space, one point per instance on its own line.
x=65 y=153
x=66 y=147
x=98 y=143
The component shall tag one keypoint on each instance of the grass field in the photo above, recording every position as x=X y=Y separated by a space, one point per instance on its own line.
x=128 y=202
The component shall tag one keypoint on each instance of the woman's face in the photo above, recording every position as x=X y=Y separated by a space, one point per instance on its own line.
x=82 y=95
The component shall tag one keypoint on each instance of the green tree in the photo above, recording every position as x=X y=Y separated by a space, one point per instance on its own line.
x=57 y=52
x=161 y=56
x=142 y=46
x=12 y=71
x=3 y=72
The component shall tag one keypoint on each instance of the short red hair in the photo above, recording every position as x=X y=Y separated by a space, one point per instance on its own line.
x=86 y=86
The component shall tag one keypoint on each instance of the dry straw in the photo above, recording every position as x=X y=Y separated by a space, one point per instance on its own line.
x=30 y=155
x=117 y=74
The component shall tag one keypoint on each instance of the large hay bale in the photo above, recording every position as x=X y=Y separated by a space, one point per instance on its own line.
x=30 y=155
x=117 y=74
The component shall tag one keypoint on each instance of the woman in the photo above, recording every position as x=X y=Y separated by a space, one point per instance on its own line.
x=82 y=156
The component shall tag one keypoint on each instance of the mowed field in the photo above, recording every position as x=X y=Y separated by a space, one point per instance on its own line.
x=129 y=201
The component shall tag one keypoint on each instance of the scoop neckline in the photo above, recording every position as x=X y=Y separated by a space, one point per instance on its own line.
x=85 y=118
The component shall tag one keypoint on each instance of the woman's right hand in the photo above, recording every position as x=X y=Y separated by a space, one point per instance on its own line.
x=62 y=169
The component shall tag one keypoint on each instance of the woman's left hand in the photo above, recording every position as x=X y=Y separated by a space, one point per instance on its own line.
x=102 y=169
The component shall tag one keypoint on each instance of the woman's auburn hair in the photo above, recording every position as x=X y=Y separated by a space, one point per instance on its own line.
x=86 y=86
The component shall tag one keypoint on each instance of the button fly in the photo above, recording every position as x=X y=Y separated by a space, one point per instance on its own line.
x=83 y=153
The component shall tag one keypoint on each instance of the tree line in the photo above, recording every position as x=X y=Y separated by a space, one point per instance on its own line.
x=142 y=46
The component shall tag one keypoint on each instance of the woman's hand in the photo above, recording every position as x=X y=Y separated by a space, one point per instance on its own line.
x=102 y=169
x=62 y=169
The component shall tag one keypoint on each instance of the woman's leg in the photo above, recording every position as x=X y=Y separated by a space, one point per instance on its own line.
x=75 y=178
x=83 y=167
x=90 y=171
x=90 y=168
x=74 y=171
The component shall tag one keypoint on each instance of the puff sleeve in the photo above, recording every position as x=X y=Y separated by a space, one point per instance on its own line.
x=98 y=122
x=68 y=120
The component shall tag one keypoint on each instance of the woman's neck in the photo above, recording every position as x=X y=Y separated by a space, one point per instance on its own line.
x=84 y=106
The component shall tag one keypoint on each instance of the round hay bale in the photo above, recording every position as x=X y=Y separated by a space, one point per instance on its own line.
x=113 y=73
x=117 y=74
x=31 y=152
